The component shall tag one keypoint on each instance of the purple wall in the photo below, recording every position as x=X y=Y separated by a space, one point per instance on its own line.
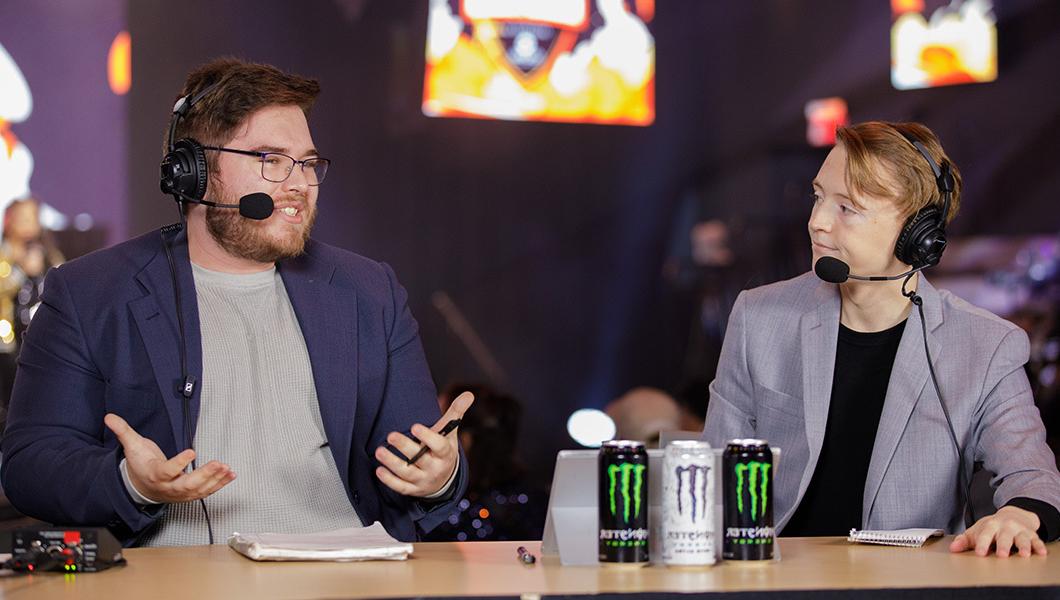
x=77 y=131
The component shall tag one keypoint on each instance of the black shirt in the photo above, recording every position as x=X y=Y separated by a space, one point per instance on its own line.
x=833 y=501
x=832 y=504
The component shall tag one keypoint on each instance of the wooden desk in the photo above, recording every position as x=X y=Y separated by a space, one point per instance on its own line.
x=491 y=568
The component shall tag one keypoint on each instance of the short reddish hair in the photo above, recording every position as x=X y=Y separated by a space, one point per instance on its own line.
x=882 y=162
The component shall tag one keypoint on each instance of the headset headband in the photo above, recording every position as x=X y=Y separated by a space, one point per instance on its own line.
x=181 y=108
x=943 y=174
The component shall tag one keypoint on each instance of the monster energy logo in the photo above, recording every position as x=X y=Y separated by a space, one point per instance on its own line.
x=756 y=475
x=694 y=472
x=622 y=477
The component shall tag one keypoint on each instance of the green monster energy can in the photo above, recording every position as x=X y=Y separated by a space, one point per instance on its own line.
x=623 y=503
x=747 y=478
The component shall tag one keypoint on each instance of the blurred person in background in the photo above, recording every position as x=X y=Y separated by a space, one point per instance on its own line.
x=500 y=503
x=643 y=413
x=693 y=395
x=26 y=254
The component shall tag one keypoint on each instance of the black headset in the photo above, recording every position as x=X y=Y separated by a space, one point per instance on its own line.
x=184 y=171
x=923 y=238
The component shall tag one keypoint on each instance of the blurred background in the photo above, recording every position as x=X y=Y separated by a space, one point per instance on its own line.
x=573 y=194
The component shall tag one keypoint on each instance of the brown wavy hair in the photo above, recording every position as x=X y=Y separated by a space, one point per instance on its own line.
x=243 y=89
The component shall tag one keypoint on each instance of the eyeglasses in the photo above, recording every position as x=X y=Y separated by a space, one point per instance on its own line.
x=277 y=167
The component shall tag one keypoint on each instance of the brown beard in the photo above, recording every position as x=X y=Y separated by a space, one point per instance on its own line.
x=246 y=238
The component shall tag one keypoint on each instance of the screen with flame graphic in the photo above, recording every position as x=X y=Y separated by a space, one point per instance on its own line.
x=583 y=61
x=948 y=44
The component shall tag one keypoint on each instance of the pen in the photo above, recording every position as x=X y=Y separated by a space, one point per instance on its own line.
x=449 y=427
x=525 y=556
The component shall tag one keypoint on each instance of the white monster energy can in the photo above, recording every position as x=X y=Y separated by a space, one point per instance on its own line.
x=688 y=504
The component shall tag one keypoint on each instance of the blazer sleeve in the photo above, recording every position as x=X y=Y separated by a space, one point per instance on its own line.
x=731 y=409
x=1008 y=433
x=60 y=463
x=410 y=397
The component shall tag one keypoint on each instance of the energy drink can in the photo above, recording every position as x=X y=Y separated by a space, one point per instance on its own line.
x=747 y=479
x=688 y=504
x=623 y=501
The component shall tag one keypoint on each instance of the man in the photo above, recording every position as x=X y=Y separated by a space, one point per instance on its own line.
x=282 y=359
x=837 y=375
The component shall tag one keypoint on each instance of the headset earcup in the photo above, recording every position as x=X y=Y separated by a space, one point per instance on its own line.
x=922 y=240
x=932 y=247
x=184 y=170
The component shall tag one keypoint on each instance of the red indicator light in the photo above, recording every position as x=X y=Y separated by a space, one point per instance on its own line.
x=71 y=537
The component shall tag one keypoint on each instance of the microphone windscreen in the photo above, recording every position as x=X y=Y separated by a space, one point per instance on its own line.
x=832 y=269
x=257 y=206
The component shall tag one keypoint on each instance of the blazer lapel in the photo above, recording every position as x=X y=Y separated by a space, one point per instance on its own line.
x=820 y=333
x=909 y=376
x=155 y=316
x=327 y=315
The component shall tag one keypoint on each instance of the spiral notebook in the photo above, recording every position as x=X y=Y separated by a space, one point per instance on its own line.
x=911 y=538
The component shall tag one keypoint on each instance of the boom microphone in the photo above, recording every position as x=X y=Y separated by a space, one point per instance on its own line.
x=257 y=206
x=833 y=270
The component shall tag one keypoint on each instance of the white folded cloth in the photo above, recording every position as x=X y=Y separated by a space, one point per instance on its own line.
x=351 y=544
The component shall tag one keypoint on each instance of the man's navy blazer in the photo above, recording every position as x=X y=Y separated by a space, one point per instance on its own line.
x=105 y=339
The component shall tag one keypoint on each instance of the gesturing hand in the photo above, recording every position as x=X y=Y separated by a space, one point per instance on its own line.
x=164 y=480
x=427 y=475
x=1009 y=526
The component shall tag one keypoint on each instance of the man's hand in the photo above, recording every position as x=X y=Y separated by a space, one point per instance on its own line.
x=1009 y=526
x=165 y=480
x=432 y=470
